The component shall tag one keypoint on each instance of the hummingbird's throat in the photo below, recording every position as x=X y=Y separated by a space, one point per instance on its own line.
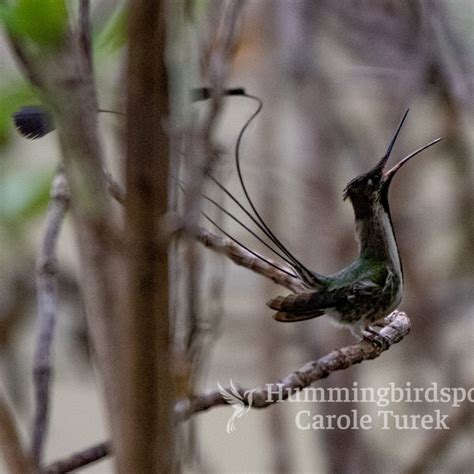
x=377 y=239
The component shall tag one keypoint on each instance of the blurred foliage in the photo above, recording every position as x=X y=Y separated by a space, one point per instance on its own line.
x=13 y=95
x=110 y=38
x=43 y=22
x=24 y=195
x=24 y=191
x=113 y=35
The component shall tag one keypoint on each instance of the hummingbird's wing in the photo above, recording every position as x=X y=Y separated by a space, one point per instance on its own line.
x=311 y=304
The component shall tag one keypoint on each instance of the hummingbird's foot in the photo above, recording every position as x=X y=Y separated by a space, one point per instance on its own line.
x=379 y=341
x=380 y=324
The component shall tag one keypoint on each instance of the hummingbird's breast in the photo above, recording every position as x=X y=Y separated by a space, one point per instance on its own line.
x=377 y=286
x=377 y=240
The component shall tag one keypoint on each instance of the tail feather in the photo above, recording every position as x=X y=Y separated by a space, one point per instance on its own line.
x=33 y=121
x=302 y=306
x=284 y=317
x=294 y=302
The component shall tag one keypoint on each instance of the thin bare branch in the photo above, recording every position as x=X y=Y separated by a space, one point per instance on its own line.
x=226 y=247
x=13 y=455
x=46 y=283
x=80 y=459
x=218 y=73
x=396 y=328
x=245 y=259
x=66 y=86
x=115 y=189
x=203 y=152
x=85 y=31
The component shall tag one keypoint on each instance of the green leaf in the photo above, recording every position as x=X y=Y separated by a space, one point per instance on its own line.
x=43 y=22
x=13 y=95
x=113 y=35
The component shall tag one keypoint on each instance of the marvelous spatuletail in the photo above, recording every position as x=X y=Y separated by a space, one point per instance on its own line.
x=368 y=289
x=371 y=287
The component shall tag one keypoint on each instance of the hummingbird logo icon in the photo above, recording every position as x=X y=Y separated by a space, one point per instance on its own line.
x=239 y=406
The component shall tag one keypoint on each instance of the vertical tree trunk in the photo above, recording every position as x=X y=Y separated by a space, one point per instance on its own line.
x=147 y=432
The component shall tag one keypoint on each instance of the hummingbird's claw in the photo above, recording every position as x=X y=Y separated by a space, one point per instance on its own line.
x=379 y=341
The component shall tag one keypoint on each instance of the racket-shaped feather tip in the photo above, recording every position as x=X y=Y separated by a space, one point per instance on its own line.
x=33 y=121
x=204 y=93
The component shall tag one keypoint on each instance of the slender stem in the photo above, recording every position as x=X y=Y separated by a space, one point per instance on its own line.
x=46 y=282
x=115 y=189
x=247 y=249
x=248 y=259
x=397 y=327
x=85 y=31
x=67 y=87
x=79 y=459
x=13 y=455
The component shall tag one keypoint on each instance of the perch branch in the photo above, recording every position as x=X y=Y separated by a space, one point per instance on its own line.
x=46 y=282
x=396 y=328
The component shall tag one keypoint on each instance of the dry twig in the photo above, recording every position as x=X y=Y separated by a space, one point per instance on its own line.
x=397 y=327
x=81 y=458
x=85 y=31
x=245 y=259
x=203 y=152
x=47 y=309
x=66 y=85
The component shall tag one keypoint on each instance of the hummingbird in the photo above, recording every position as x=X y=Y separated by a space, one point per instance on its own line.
x=369 y=288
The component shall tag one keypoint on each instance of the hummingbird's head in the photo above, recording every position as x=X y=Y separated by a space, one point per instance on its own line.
x=371 y=188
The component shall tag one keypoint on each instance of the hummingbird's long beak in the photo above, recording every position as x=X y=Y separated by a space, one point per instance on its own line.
x=381 y=164
x=388 y=175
